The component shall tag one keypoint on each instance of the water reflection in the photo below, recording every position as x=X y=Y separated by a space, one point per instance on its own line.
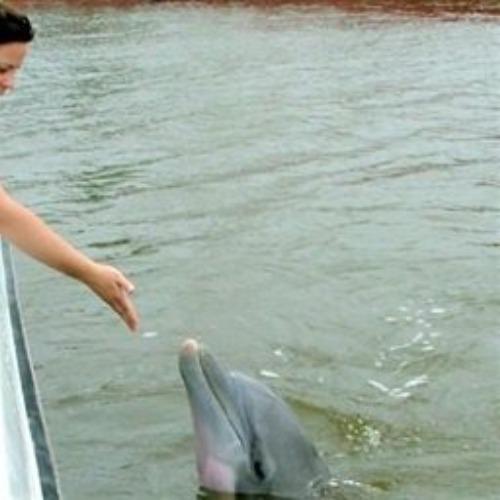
x=336 y=490
x=204 y=494
x=101 y=184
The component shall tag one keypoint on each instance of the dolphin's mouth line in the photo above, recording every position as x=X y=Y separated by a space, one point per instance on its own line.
x=216 y=382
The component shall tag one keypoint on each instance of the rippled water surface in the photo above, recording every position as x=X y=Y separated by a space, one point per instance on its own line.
x=313 y=193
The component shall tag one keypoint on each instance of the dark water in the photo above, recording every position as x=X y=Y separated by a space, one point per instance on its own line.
x=311 y=191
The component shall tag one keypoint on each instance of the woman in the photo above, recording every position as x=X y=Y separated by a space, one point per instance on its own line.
x=25 y=229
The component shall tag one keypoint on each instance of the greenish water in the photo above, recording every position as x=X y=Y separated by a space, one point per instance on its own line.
x=313 y=193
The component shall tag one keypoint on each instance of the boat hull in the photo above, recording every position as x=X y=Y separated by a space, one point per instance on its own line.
x=26 y=465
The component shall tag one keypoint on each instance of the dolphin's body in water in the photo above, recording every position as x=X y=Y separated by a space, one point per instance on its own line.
x=248 y=442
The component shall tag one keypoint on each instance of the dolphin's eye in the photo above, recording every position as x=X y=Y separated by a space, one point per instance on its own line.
x=259 y=461
x=259 y=470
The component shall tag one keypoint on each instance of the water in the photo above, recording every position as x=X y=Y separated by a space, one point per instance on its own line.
x=312 y=192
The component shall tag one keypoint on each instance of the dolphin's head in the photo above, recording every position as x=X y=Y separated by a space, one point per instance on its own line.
x=247 y=439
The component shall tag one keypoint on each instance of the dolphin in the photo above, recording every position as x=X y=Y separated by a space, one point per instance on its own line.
x=248 y=441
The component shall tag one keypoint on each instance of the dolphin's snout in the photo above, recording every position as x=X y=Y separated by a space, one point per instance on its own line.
x=190 y=347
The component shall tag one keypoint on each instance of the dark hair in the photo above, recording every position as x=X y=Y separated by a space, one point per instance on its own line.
x=14 y=26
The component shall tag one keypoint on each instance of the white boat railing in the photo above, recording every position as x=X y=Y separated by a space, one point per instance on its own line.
x=26 y=466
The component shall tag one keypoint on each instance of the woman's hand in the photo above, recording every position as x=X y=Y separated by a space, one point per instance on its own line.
x=114 y=289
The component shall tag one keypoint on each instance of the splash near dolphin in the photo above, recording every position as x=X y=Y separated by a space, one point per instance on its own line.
x=248 y=441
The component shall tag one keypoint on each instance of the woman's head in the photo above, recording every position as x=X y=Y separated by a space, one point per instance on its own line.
x=16 y=33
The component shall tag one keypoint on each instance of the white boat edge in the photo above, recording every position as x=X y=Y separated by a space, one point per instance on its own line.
x=26 y=466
